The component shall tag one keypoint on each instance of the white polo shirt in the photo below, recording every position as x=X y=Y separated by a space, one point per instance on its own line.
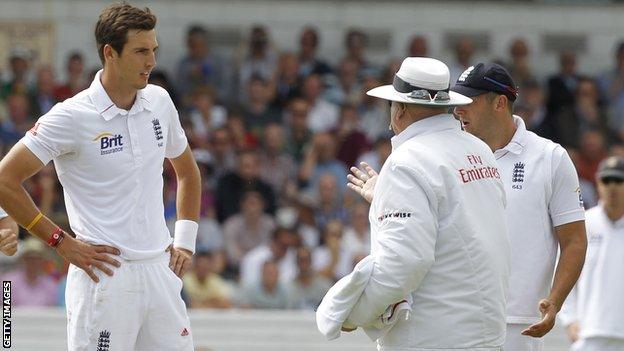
x=596 y=300
x=110 y=163
x=542 y=192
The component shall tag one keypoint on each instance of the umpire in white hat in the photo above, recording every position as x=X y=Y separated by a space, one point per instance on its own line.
x=438 y=227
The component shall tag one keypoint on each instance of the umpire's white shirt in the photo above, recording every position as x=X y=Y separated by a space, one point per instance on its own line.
x=597 y=300
x=542 y=192
x=438 y=232
x=110 y=163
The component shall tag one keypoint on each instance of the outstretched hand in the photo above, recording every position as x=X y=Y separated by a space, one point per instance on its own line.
x=541 y=328
x=363 y=182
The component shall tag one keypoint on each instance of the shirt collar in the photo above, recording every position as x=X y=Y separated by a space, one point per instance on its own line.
x=430 y=124
x=518 y=141
x=105 y=106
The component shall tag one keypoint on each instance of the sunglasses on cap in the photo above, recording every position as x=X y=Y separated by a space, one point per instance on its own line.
x=609 y=180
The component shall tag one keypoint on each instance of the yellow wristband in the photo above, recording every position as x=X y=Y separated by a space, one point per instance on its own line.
x=34 y=221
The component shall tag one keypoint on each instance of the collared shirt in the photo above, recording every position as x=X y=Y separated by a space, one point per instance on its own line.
x=596 y=300
x=110 y=163
x=438 y=232
x=542 y=192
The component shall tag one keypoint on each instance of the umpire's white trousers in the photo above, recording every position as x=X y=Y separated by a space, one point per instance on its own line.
x=515 y=341
x=139 y=308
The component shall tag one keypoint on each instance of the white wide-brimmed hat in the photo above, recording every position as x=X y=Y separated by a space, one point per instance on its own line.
x=421 y=80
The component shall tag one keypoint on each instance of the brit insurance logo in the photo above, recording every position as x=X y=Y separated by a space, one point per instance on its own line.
x=109 y=143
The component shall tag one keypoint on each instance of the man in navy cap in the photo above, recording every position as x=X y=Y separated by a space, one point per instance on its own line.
x=544 y=207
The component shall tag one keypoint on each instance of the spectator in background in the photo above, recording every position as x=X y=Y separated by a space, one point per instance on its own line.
x=464 y=51
x=391 y=68
x=373 y=112
x=18 y=81
x=298 y=135
x=20 y=119
x=223 y=155
x=563 y=85
x=205 y=115
x=585 y=114
x=321 y=158
x=519 y=64
x=593 y=149
x=418 y=47
x=277 y=167
x=351 y=141
x=258 y=111
x=346 y=88
x=248 y=229
x=329 y=205
x=202 y=67
x=611 y=85
x=309 y=63
x=322 y=115
x=532 y=108
x=288 y=82
x=309 y=287
x=76 y=80
x=42 y=98
x=280 y=250
x=33 y=286
x=233 y=185
x=260 y=60
x=356 y=238
x=355 y=44
x=588 y=190
x=205 y=288
x=269 y=292
x=331 y=259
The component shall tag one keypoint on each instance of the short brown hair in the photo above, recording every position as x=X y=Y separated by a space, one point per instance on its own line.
x=114 y=23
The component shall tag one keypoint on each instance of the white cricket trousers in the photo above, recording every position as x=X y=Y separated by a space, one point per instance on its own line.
x=598 y=344
x=139 y=308
x=515 y=341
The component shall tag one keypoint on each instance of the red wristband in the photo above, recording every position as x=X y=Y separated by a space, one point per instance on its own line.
x=57 y=236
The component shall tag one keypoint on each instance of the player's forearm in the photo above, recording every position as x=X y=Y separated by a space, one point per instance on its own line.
x=19 y=205
x=188 y=197
x=568 y=269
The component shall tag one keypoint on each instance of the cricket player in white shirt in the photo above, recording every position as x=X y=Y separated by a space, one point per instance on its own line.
x=108 y=144
x=438 y=229
x=594 y=312
x=8 y=234
x=542 y=193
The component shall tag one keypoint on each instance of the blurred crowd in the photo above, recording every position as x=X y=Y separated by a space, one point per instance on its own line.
x=274 y=134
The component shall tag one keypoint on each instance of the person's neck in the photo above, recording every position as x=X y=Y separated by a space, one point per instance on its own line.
x=121 y=95
x=305 y=278
x=270 y=288
x=614 y=213
x=500 y=135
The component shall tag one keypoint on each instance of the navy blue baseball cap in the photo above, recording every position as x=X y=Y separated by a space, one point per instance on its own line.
x=486 y=78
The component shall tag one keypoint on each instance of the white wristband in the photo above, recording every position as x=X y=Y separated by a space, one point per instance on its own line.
x=185 y=234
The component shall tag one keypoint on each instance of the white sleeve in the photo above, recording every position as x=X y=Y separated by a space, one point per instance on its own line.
x=52 y=136
x=406 y=242
x=3 y=213
x=565 y=204
x=176 y=139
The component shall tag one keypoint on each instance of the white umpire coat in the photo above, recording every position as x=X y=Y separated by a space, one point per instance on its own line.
x=439 y=234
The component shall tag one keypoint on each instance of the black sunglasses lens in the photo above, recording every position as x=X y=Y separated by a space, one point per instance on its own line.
x=609 y=180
